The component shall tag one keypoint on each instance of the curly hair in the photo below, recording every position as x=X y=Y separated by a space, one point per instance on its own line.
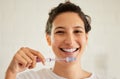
x=67 y=7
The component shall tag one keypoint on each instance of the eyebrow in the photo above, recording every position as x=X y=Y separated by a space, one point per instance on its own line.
x=79 y=27
x=60 y=27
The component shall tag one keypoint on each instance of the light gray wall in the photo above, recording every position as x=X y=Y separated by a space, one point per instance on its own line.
x=22 y=23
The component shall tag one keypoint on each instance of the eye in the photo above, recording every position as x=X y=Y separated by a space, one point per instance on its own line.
x=59 y=32
x=77 y=31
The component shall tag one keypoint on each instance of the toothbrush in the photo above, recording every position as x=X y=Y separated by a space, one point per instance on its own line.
x=67 y=59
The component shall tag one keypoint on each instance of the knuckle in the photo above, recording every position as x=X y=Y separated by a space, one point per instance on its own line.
x=26 y=48
x=30 y=61
x=33 y=65
x=22 y=48
x=15 y=56
x=37 y=53
x=25 y=62
x=20 y=52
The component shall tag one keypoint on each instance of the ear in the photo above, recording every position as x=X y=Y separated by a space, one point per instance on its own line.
x=87 y=38
x=48 y=38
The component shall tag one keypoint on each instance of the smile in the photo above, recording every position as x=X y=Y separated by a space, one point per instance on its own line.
x=71 y=50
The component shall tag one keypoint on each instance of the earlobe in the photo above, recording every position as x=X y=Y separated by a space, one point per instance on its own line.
x=48 y=39
x=87 y=37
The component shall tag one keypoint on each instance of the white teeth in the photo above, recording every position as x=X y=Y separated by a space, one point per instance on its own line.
x=69 y=50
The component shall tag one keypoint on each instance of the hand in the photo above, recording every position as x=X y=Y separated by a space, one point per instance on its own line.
x=23 y=59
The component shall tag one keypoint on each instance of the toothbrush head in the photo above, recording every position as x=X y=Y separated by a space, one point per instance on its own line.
x=70 y=59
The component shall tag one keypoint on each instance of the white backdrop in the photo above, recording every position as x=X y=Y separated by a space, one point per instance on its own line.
x=22 y=24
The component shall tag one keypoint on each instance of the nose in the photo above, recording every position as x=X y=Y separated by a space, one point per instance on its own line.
x=69 y=39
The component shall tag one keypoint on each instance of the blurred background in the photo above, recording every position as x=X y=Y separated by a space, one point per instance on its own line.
x=22 y=24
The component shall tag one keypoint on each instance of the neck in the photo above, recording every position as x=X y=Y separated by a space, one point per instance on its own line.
x=70 y=70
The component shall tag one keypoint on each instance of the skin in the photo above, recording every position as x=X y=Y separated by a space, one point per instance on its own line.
x=25 y=58
x=68 y=32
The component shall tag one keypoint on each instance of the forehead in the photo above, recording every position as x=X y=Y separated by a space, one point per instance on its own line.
x=68 y=19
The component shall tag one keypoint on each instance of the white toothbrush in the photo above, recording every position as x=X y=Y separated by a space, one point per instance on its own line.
x=67 y=59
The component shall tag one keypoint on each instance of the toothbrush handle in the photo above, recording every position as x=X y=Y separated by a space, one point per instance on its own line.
x=49 y=59
x=46 y=60
x=54 y=59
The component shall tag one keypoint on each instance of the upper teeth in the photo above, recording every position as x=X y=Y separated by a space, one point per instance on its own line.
x=70 y=50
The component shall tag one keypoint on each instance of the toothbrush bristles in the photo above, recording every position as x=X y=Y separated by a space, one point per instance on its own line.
x=70 y=59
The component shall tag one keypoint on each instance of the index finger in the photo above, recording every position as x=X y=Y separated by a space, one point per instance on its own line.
x=38 y=54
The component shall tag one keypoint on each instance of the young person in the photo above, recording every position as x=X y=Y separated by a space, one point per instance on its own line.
x=67 y=31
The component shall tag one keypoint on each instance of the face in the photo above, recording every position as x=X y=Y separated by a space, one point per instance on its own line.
x=68 y=37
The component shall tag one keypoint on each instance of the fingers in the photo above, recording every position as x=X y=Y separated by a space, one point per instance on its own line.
x=33 y=63
x=23 y=59
x=20 y=60
x=38 y=55
x=26 y=57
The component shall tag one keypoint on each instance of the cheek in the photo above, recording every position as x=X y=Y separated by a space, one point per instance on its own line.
x=83 y=41
x=55 y=41
x=55 y=44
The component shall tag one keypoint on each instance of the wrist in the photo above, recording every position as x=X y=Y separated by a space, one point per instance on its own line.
x=10 y=74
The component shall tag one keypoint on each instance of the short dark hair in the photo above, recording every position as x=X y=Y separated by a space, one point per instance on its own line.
x=67 y=7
